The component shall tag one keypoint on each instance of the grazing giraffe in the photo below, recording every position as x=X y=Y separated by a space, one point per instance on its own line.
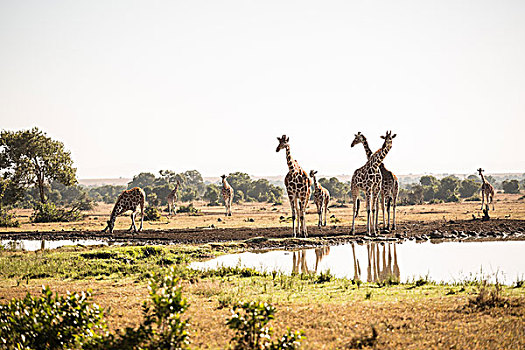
x=128 y=200
x=389 y=184
x=368 y=178
x=172 y=198
x=297 y=185
x=227 y=195
x=321 y=199
x=487 y=191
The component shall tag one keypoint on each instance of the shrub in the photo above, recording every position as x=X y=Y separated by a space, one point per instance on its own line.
x=249 y=321
x=7 y=219
x=49 y=322
x=511 y=186
x=151 y=214
x=48 y=212
x=188 y=209
x=474 y=198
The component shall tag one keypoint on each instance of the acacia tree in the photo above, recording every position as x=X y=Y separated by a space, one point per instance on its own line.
x=31 y=157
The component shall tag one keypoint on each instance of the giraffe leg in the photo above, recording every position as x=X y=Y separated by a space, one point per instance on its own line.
x=132 y=227
x=388 y=213
x=374 y=203
x=383 y=198
x=355 y=211
x=302 y=219
x=394 y=204
x=141 y=216
x=368 y=204
x=320 y=214
x=325 y=212
x=293 y=205
x=482 y=199
x=230 y=207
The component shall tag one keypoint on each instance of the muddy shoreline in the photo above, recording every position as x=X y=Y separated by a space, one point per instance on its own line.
x=281 y=237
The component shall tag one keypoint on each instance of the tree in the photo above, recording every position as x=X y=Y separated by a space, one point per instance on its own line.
x=142 y=180
x=447 y=187
x=31 y=157
x=467 y=188
x=428 y=180
x=511 y=186
x=212 y=194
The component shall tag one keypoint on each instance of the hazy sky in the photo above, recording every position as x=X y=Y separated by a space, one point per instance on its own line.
x=133 y=86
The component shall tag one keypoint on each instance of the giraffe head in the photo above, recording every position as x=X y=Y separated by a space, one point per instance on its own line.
x=359 y=138
x=312 y=173
x=388 y=138
x=223 y=177
x=480 y=171
x=283 y=142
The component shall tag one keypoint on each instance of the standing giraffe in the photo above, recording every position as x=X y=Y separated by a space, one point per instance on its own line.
x=227 y=195
x=128 y=200
x=487 y=191
x=297 y=185
x=321 y=199
x=389 y=184
x=172 y=198
x=368 y=178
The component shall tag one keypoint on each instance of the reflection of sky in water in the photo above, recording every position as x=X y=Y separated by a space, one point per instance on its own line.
x=448 y=261
x=32 y=245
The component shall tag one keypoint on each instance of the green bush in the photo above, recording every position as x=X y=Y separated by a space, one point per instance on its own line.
x=511 y=186
x=475 y=198
x=7 y=219
x=49 y=322
x=48 y=212
x=151 y=214
x=188 y=209
x=162 y=326
x=249 y=321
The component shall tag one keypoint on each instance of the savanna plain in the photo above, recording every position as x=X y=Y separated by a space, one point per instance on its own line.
x=334 y=313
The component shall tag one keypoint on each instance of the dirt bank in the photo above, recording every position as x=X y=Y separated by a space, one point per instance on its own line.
x=272 y=237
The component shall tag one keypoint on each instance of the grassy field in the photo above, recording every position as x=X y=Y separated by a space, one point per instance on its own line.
x=267 y=215
x=334 y=313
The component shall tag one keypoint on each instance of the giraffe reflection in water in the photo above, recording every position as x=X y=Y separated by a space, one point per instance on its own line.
x=382 y=262
x=299 y=260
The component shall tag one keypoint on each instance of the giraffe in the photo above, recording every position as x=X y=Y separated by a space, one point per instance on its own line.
x=128 y=200
x=297 y=185
x=487 y=191
x=389 y=184
x=321 y=199
x=227 y=195
x=368 y=178
x=172 y=198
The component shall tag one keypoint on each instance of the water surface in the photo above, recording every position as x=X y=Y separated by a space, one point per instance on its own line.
x=32 y=245
x=444 y=262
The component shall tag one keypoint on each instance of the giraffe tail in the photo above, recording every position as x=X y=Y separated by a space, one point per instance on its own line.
x=357 y=207
x=388 y=203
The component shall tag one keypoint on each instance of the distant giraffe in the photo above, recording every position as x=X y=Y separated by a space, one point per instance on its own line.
x=321 y=199
x=297 y=185
x=227 y=195
x=172 y=199
x=389 y=184
x=487 y=191
x=128 y=200
x=368 y=178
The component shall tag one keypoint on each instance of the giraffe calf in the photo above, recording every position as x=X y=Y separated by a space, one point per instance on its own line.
x=321 y=199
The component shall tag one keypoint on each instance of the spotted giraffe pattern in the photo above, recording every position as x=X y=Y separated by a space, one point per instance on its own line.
x=172 y=199
x=297 y=183
x=227 y=195
x=368 y=179
x=389 y=184
x=487 y=191
x=128 y=200
x=321 y=199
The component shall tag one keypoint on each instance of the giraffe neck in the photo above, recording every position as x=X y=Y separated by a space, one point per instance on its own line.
x=315 y=181
x=225 y=183
x=377 y=158
x=368 y=151
x=289 y=159
x=483 y=178
x=176 y=188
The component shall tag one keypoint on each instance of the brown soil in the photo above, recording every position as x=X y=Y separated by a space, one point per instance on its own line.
x=273 y=237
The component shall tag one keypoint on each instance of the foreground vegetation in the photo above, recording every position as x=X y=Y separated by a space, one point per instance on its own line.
x=332 y=312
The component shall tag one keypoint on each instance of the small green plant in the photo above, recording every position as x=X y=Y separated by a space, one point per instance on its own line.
x=489 y=298
x=324 y=276
x=50 y=322
x=151 y=214
x=249 y=321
